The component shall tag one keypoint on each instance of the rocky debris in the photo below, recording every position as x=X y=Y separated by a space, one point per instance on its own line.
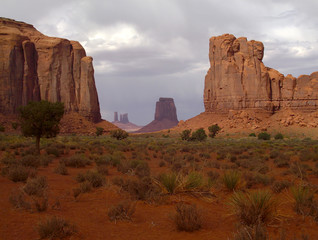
x=165 y=116
x=36 y=67
x=238 y=79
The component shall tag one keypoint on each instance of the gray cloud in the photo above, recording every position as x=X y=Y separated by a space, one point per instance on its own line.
x=144 y=50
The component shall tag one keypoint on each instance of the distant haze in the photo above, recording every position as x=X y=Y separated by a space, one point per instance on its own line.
x=146 y=49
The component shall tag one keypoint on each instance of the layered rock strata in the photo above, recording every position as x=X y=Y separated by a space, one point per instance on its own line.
x=238 y=79
x=35 y=67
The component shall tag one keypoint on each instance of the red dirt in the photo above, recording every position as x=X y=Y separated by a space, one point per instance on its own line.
x=150 y=221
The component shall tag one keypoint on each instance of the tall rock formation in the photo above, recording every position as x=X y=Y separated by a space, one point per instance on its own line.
x=124 y=118
x=35 y=67
x=238 y=79
x=165 y=116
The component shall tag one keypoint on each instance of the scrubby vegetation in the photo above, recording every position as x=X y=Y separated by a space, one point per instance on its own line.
x=188 y=182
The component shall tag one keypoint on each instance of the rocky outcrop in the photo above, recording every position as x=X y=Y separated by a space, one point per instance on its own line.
x=238 y=79
x=124 y=118
x=35 y=67
x=165 y=116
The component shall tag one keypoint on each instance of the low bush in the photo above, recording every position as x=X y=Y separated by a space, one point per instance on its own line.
x=279 y=136
x=18 y=173
x=18 y=199
x=198 y=135
x=122 y=211
x=99 y=131
x=139 y=189
x=77 y=161
x=36 y=186
x=252 y=135
x=169 y=182
x=61 y=169
x=187 y=217
x=119 y=134
x=231 y=179
x=194 y=181
x=94 y=178
x=264 y=136
x=55 y=228
x=254 y=208
x=303 y=197
x=186 y=135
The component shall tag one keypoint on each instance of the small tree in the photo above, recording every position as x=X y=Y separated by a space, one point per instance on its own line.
x=41 y=119
x=99 y=131
x=214 y=129
x=119 y=134
x=186 y=134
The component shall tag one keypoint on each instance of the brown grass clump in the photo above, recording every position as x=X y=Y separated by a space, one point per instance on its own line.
x=187 y=217
x=55 y=228
x=122 y=211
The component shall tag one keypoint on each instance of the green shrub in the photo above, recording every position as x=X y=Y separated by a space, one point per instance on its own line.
x=36 y=186
x=18 y=173
x=186 y=134
x=122 y=211
x=252 y=135
x=303 y=197
x=214 y=130
x=199 y=135
x=94 y=178
x=187 y=217
x=55 y=228
x=119 y=134
x=99 y=131
x=169 y=182
x=279 y=136
x=194 y=180
x=77 y=161
x=231 y=180
x=264 y=136
x=254 y=208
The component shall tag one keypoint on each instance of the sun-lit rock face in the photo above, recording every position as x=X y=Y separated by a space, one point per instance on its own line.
x=35 y=67
x=238 y=79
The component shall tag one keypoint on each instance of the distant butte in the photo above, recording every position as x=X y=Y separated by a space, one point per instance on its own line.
x=124 y=123
x=165 y=116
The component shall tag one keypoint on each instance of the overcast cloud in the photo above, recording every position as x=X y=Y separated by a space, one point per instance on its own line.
x=146 y=49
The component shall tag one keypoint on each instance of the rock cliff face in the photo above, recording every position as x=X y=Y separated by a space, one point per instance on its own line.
x=35 y=67
x=238 y=79
x=165 y=116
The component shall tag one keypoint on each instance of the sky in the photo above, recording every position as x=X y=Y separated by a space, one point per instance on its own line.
x=146 y=49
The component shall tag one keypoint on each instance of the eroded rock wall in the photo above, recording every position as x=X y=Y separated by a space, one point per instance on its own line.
x=36 y=67
x=238 y=79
